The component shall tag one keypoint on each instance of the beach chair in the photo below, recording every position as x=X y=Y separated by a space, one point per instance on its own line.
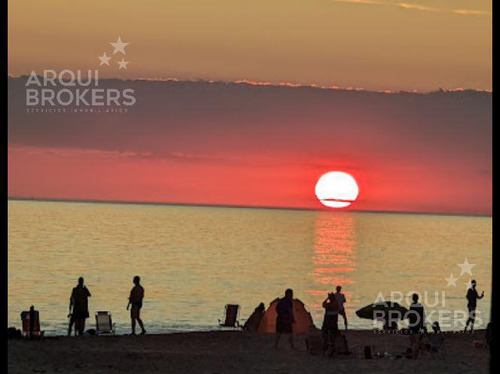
x=231 y=316
x=31 y=324
x=104 y=323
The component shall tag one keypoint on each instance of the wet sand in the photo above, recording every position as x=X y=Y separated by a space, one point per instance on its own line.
x=234 y=352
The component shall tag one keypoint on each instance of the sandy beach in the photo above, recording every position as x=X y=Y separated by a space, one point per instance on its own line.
x=233 y=352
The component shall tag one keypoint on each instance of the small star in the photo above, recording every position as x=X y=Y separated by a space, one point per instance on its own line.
x=104 y=59
x=123 y=64
x=452 y=281
x=119 y=46
x=466 y=267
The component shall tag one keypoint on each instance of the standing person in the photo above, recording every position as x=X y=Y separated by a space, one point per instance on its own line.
x=79 y=307
x=284 y=317
x=330 y=326
x=416 y=318
x=472 y=297
x=340 y=297
x=135 y=299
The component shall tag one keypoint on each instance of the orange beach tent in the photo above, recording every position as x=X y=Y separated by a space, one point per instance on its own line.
x=303 y=319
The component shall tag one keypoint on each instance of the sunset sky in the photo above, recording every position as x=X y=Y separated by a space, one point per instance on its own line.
x=261 y=144
x=371 y=44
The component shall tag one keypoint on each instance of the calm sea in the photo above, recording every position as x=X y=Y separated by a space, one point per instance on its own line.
x=194 y=260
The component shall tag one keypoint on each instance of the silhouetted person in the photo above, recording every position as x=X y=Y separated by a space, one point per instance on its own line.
x=284 y=317
x=253 y=322
x=135 y=299
x=416 y=317
x=79 y=306
x=472 y=297
x=32 y=321
x=436 y=338
x=340 y=297
x=330 y=326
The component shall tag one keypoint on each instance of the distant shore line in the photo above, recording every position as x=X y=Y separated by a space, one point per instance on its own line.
x=201 y=205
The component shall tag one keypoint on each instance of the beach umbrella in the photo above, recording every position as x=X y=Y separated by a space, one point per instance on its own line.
x=382 y=310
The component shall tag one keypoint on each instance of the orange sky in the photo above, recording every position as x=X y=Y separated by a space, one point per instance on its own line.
x=244 y=144
x=239 y=144
x=373 y=44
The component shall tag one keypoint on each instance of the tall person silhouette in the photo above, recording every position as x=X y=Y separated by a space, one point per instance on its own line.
x=135 y=300
x=340 y=297
x=284 y=318
x=472 y=297
x=79 y=306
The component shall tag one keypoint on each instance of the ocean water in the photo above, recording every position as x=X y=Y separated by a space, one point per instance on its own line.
x=194 y=260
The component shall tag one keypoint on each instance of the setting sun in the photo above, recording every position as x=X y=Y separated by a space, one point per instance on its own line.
x=336 y=189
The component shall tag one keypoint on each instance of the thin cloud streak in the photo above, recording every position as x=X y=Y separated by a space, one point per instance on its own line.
x=417 y=7
x=364 y=2
x=468 y=12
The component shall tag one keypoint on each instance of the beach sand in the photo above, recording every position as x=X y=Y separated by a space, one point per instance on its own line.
x=233 y=352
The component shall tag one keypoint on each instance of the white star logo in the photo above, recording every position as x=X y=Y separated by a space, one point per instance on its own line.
x=467 y=285
x=119 y=46
x=104 y=59
x=452 y=281
x=466 y=267
x=123 y=64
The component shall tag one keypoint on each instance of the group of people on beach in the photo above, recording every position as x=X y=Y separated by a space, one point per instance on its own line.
x=333 y=305
x=79 y=306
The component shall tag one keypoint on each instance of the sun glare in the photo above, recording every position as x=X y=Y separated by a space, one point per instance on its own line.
x=336 y=189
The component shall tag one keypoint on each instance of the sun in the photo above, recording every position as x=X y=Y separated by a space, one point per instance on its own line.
x=336 y=189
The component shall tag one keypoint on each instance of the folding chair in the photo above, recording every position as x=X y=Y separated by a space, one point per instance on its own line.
x=231 y=316
x=31 y=323
x=104 y=324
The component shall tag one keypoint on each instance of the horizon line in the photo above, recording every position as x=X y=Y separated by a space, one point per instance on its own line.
x=249 y=82
x=205 y=205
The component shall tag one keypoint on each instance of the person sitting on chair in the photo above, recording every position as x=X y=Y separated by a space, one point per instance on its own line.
x=253 y=322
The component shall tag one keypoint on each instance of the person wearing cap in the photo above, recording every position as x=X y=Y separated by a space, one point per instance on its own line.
x=472 y=297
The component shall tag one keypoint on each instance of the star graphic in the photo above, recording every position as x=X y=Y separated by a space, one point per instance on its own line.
x=104 y=59
x=119 y=46
x=123 y=64
x=452 y=281
x=466 y=267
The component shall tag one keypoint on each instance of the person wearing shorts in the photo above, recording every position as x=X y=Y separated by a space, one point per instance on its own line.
x=135 y=304
x=340 y=297
x=284 y=317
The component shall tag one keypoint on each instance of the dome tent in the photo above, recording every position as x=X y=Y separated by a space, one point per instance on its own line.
x=303 y=319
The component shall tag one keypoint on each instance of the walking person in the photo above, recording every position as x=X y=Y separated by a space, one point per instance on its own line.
x=79 y=307
x=472 y=297
x=340 y=297
x=284 y=318
x=135 y=300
